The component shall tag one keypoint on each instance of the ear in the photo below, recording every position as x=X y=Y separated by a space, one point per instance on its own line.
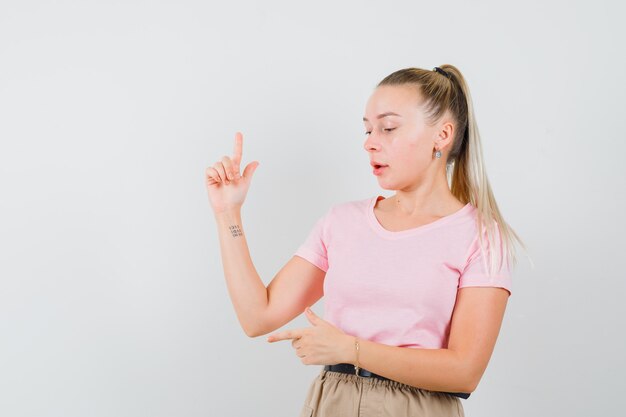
x=445 y=136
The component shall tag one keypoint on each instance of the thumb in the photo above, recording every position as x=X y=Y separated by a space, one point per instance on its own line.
x=312 y=317
x=250 y=168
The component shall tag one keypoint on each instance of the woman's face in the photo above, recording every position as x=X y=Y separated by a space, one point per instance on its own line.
x=397 y=136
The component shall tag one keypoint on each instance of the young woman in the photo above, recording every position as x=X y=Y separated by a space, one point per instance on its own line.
x=415 y=284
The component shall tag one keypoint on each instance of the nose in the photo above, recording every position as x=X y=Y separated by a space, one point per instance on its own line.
x=371 y=143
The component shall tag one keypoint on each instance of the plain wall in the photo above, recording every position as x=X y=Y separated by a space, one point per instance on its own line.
x=113 y=300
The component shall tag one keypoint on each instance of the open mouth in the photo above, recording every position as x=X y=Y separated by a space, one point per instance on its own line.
x=379 y=169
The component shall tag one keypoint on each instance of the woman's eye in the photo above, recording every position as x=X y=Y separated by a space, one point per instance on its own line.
x=388 y=129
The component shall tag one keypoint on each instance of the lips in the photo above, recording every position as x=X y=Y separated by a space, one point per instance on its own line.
x=378 y=169
x=376 y=164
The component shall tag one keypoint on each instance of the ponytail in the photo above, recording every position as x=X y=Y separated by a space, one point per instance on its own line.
x=444 y=90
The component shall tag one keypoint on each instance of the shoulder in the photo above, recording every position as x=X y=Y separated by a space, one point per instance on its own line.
x=346 y=211
x=350 y=206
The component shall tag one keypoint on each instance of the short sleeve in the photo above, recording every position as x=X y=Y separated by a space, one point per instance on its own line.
x=475 y=272
x=314 y=247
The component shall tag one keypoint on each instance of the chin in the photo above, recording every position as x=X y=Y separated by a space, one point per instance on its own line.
x=388 y=187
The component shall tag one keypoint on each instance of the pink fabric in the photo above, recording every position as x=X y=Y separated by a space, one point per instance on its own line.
x=396 y=288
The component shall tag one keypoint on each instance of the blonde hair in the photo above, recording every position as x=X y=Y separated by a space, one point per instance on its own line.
x=465 y=168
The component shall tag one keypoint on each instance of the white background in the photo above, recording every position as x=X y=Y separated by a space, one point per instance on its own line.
x=112 y=295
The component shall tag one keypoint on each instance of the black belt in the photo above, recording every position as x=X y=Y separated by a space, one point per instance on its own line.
x=348 y=368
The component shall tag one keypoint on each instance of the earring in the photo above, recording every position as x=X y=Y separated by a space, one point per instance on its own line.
x=438 y=154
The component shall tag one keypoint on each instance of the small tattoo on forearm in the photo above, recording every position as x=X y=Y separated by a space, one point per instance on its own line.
x=235 y=230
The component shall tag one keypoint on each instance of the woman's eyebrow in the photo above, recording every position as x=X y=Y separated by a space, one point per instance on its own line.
x=380 y=116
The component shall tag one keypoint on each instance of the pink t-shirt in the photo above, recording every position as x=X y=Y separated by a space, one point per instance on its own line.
x=396 y=288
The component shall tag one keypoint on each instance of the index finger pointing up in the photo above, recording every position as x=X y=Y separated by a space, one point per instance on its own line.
x=237 y=151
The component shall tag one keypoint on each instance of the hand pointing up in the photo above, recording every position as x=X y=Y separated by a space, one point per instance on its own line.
x=226 y=188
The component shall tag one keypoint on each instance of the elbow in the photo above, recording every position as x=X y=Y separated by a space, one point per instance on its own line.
x=470 y=386
x=471 y=380
x=253 y=332
x=253 y=328
x=471 y=375
x=467 y=385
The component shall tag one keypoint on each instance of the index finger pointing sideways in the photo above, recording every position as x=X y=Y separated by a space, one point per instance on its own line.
x=285 y=335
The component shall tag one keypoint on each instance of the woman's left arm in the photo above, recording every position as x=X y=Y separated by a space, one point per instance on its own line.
x=475 y=326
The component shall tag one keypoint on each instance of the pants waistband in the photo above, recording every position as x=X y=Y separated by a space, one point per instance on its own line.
x=348 y=368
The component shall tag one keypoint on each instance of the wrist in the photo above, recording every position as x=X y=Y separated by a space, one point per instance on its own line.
x=230 y=214
x=227 y=210
x=348 y=355
x=357 y=348
x=352 y=355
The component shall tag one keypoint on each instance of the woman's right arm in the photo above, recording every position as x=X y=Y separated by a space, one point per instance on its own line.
x=297 y=285
x=246 y=290
x=262 y=310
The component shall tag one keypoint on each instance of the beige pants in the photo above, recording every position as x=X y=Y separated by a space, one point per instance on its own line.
x=335 y=394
